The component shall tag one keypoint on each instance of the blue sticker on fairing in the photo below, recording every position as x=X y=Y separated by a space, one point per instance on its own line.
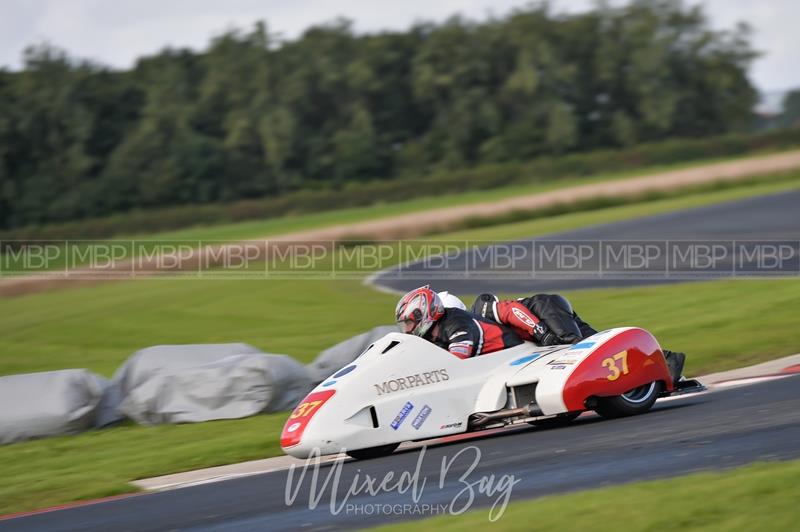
x=402 y=415
x=329 y=383
x=583 y=345
x=421 y=417
x=525 y=359
x=344 y=371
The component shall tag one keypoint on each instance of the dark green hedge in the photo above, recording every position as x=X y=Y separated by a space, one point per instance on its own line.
x=483 y=177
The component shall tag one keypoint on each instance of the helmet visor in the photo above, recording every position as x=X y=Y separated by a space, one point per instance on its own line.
x=407 y=326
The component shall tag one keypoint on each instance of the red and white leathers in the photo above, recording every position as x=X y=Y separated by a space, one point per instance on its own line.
x=515 y=315
x=466 y=335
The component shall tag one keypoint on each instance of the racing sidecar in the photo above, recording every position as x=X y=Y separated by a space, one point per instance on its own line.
x=404 y=388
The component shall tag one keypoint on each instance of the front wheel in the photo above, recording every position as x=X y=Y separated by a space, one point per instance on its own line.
x=373 y=452
x=633 y=402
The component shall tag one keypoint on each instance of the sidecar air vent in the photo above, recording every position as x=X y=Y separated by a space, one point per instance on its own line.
x=364 y=352
x=524 y=394
x=392 y=345
x=374 y=415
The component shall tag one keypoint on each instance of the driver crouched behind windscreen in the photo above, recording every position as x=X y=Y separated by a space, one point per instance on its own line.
x=494 y=324
x=422 y=312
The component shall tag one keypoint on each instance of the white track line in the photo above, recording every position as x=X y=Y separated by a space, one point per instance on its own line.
x=282 y=463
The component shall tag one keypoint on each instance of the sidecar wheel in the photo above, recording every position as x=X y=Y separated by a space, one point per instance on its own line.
x=373 y=452
x=633 y=402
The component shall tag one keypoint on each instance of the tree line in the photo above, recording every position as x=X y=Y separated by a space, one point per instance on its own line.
x=254 y=116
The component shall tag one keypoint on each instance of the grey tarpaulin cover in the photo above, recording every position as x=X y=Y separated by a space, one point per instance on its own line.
x=345 y=352
x=192 y=383
x=47 y=404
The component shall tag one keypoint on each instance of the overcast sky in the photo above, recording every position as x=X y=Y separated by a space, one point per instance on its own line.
x=116 y=32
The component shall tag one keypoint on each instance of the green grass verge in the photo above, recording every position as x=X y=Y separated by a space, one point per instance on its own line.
x=690 y=199
x=707 y=320
x=527 y=225
x=101 y=327
x=295 y=223
x=761 y=496
x=14 y=263
x=95 y=464
x=98 y=327
x=704 y=319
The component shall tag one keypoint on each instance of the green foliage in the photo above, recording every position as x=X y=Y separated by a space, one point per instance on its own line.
x=253 y=116
x=791 y=109
x=542 y=171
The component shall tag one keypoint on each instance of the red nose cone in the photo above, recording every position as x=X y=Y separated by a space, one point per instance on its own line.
x=302 y=414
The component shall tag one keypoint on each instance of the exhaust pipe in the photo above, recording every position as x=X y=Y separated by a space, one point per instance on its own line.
x=481 y=419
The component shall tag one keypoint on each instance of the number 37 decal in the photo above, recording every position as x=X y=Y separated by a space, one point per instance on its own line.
x=296 y=424
x=614 y=370
x=305 y=409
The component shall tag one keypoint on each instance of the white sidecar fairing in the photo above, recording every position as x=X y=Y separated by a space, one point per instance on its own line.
x=405 y=388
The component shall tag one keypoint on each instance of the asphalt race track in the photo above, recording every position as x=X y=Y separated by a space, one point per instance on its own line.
x=771 y=217
x=721 y=429
x=710 y=431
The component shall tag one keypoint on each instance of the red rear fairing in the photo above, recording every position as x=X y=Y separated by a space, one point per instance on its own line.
x=626 y=361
